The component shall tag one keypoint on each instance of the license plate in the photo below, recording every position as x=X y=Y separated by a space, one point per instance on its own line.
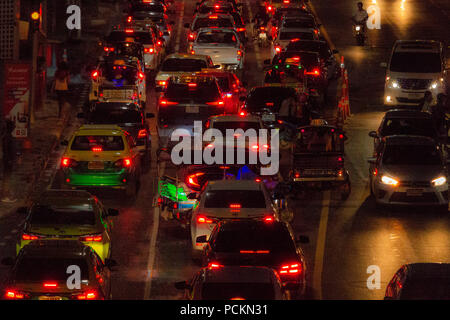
x=118 y=94
x=50 y=298
x=96 y=165
x=268 y=117
x=192 y=110
x=414 y=192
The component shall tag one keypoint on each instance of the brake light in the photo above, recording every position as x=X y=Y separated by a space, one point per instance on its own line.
x=50 y=285
x=315 y=72
x=27 y=236
x=341 y=136
x=97 y=149
x=239 y=53
x=192 y=85
x=167 y=103
x=217 y=6
x=142 y=133
x=255 y=147
x=159 y=43
x=129 y=30
x=94 y=74
x=214 y=265
x=213 y=17
x=269 y=8
x=13 y=294
x=204 y=219
x=192 y=52
x=262 y=28
x=92 y=238
x=67 y=162
x=291 y=269
x=278 y=49
x=242 y=113
x=268 y=219
x=191 y=36
x=141 y=75
x=286 y=1
x=88 y=295
x=129 y=19
x=193 y=179
x=216 y=103
x=162 y=83
x=235 y=206
x=240 y=29
x=149 y=50
x=255 y=251
x=125 y=163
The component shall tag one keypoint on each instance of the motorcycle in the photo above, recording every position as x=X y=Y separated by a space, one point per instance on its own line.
x=263 y=39
x=358 y=31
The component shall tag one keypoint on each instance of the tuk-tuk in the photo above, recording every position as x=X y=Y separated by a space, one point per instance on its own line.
x=318 y=158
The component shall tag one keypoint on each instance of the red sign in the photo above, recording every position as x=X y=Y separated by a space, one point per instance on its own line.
x=17 y=95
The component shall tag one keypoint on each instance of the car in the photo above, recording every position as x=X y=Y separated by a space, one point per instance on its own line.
x=146 y=11
x=68 y=215
x=258 y=243
x=285 y=35
x=178 y=64
x=127 y=115
x=228 y=199
x=414 y=67
x=42 y=269
x=289 y=11
x=274 y=5
x=230 y=85
x=209 y=6
x=101 y=156
x=234 y=283
x=409 y=170
x=404 y=122
x=152 y=51
x=118 y=79
x=208 y=21
x=222 y=45
x=420 y=281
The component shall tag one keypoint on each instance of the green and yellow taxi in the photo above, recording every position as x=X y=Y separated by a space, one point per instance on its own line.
x=101 y=156
x=68 y=215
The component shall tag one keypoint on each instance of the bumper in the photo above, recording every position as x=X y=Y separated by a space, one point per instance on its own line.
x=114 y=180
x=393 y=97
x=431 y=196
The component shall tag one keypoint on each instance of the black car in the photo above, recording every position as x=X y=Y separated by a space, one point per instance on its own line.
x=248 y=242
x=146 y=11
x=128 y=116
x=420 y=281
x=42 y=269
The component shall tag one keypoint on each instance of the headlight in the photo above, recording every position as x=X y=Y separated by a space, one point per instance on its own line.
x=393 y=84
x=439 y=181
x=389 y=181
x=434 y=85
x=358 y=28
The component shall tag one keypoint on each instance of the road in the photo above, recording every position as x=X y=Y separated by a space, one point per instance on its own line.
x=345 y=237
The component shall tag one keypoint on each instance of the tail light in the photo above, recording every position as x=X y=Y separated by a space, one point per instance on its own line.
x=214 y=265
x=124 y=163
x=97 y=149
x=192 y=85
x=67 y=162
x=269 y=8
x=191 y=36
x=291 y=269
x=94 y=74
x=142 y=133
x=268 y=219
x=235 y=206
x=214 y=17
x=129 y=19
x=162 y=83
x=239 y=53
x=141 y=75
x=315 y=72
x=278 y=49
x=129 y=31
x=204 y=219
x=149 y=50
x=87 y=295
x=254 y=251
x=216 y=103
x=167 y=103
x=242 y=113
x=92 y=238
x=29 y=236
x=12 y=294
x=286 y=1
x=262 y=28
x=240 y=29
x=192 y=180
x=49 y=285
x=255 y=147
x=159 y=43
x=192 y=52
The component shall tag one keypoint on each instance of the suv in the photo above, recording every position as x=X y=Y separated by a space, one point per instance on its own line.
x=42 y=268
x=209 y=21
x=415 y=66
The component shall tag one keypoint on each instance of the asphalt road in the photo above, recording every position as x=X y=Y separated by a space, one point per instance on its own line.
x=345 y=237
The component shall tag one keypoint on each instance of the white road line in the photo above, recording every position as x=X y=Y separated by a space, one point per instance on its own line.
x=255 y=46
x=180 y=25
x=320 y=247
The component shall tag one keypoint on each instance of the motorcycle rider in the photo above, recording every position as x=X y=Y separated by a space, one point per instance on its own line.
x=361 y=16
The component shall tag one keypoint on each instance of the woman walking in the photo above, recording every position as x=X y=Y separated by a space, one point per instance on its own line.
x=61 y=85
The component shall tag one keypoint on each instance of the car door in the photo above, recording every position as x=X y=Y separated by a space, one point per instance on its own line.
x=134 y=154
x=102 y=274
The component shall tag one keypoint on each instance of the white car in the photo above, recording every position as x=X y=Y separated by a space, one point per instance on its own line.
x=285 y=35
x=415 y=66
x=208 y=21
x=222 y=45
x=229 y=199
x=178 y=64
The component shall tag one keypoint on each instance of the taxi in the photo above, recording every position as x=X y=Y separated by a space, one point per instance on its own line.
x=103 y=156
x=68 y=215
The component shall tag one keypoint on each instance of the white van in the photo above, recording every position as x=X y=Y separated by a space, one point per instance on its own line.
x=415 y=66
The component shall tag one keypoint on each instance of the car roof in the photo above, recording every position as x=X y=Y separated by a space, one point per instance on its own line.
x=401 y=113
x=239 y=274
x=186 y=56
x=99 y=129
x=233 y=185
x=409 y=140
x=66 y=197
x=219 y=15
x=428 y=270
x=234 y=117
x=55 y=249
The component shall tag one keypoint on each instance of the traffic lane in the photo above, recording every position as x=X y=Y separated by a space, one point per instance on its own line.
x=360 y=235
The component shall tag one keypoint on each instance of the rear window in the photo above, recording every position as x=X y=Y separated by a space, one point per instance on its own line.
x=244 y=125
x=299 y=24
x=122 y=74
x=228 y=291
x=203 y=92
x=427 y=289
x=108 y=115
x=295 y=35
x=106 y=143
x=217 y=37
x=45 y=269
x=420 y=127
x=318 y=140
x=245 y=198
x=314 y=46
x=268 y=97
x=418 y=62
x=148 y=8
x=207 y=22
x=174 y=65
x=64 y=215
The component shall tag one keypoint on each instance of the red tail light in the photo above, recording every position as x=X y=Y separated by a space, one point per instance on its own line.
x=50 y=285
x=204 y=219
x=255 y=147
x=278 y=49
x=192 y=180
x=97 y=149
x=214 y=265
x=315 y=72
x=28 y=236
x=167 y=103
x=92 y=238
x=216 y=103
x=269 y=8
x=88 y=295
x=268 y=219
x=124 y=163
x=67 y=162
x=159 y=43
x=142 y=133
x=141 y=75
x=162 y=83
x=213 y=17
x=13 y=294
x=192 y=52
x=191 y=36
x=235 y=206
x=291 y=269
x=129 y=31
x=240 y=29
x=239 y=53
x=192 y=85
x=129 y=19
x=149 y=50
x=262 y=28
x=286 y=1
x=255 y=251
x=94 y=74
x=242 y=113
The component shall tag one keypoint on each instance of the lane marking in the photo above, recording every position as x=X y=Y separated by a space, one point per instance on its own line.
x=180 y=24
x=255 y=45
x=320 y=247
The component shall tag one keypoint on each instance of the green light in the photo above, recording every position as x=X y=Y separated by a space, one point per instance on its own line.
x=299 y=67
x=288 y=66
x=276 y=67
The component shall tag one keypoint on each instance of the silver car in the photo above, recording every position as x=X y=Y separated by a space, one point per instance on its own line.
x=409 y=170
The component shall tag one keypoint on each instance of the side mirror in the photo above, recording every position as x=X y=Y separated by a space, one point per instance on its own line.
x=110 y=263
x=80 y=115
x=201 y=239
x=113 y=212
x=373 y=134
x=192 y=196
x=182 y=285
x=149 y=115
x=187 y=25
x=64 y=143
x=302 y=239
x=267 y=62
x=383 y=65
x=8 y=261
x=22 y=210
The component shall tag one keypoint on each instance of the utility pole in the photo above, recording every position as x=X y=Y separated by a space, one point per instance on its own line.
x=35 y=26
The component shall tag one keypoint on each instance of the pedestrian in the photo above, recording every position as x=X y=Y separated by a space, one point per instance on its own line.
x=61 y=85
x=438 y=113
x=7 y=159
x=425 y=104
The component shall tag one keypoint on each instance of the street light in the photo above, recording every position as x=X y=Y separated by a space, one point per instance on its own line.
x=35 y=15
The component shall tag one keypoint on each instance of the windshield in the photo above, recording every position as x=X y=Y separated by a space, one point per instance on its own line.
x=49 y=269
x=245 y=198
x=175 y=65
x=269 y=97
x=228 y=291
x=299 y=23
x=207 y=22
x=413 y=126
x=108 y=115
x=105 y=143
x=417 y=62
x=411 y=155
x=244 y=125
x=217 y=37
x=64 y=215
